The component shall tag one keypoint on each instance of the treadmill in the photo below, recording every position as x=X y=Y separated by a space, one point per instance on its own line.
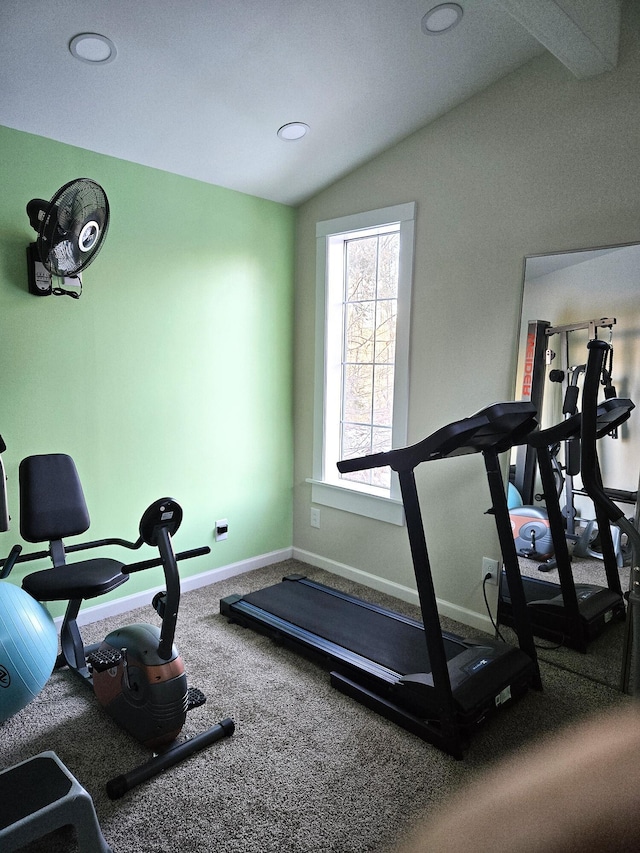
x=436 y=685
x=568 y=613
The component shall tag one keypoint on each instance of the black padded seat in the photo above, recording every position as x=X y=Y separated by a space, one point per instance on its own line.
x=87 y=579
x=52 y=507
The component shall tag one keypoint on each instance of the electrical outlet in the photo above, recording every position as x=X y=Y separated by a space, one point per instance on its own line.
x=490 y=567
x=222 y=529
x=315 y=517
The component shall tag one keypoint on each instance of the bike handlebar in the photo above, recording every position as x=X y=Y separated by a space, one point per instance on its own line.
x=157 y=561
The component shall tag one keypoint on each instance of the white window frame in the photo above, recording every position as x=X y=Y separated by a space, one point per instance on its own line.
x=326 y=487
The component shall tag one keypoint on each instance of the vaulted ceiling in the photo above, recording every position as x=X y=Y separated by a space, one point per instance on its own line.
x=201 y=88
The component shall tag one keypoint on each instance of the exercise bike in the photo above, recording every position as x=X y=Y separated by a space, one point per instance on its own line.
x=136 y=673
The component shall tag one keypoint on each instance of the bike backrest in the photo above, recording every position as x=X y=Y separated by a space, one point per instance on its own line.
x=52 y=504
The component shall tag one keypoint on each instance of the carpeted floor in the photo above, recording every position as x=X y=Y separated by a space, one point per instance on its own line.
x=307 y=769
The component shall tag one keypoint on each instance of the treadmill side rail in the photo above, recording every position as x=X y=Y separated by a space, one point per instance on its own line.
x=453 y=742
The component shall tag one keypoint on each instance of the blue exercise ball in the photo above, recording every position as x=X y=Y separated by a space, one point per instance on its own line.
x=513 y=497
x=28 y=648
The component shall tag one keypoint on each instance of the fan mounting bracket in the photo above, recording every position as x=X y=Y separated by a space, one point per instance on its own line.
x=39 y=275
x=41 y=280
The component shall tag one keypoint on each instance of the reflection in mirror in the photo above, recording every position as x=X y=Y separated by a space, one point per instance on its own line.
x=569 y=298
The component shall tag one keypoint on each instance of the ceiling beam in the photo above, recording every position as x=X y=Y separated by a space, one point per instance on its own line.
x=582 y=34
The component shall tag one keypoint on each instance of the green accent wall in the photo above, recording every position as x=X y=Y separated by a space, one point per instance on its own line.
x=172 y=374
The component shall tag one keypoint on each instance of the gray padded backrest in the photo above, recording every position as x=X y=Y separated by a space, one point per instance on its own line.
x=52 y=504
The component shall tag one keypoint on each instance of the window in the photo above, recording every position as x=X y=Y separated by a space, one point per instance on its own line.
x=364 y=273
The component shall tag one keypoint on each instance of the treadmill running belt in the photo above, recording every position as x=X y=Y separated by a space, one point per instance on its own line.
x=390 y=642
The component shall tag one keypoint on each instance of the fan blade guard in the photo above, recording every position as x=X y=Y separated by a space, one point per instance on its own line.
x=71 y=227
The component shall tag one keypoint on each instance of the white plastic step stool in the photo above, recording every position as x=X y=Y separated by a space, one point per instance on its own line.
x=40 y=795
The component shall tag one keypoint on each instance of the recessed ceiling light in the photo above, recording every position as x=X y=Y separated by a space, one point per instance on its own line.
x=293 y=130
x=92 y=47
x=441 y=19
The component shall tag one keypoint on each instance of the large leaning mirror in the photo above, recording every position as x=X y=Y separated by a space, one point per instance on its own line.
x=569 y=298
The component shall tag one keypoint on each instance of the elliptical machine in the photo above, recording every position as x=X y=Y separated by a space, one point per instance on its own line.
x=136 y=673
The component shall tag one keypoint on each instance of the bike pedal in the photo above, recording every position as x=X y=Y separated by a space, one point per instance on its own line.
x=103 y=659
x=195 y=698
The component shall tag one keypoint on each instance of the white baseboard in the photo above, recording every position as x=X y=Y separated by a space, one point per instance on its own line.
x=140 y=599
x=404 y=593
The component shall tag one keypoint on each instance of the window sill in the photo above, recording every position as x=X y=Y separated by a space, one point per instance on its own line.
x=357 y=502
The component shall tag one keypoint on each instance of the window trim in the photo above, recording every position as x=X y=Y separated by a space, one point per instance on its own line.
x=348 y=496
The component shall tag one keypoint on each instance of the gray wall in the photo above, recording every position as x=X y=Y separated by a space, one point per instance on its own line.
x=539 y=162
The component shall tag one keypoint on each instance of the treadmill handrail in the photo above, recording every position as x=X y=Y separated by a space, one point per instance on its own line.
x=499 y=426
x=610 y=414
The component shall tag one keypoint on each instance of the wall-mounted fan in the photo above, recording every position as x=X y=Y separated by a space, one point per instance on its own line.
x=71 y=229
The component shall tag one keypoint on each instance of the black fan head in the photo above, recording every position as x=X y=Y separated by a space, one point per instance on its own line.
x=71 y=227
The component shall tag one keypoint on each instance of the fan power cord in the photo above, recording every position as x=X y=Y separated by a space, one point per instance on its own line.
x=74 y=294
